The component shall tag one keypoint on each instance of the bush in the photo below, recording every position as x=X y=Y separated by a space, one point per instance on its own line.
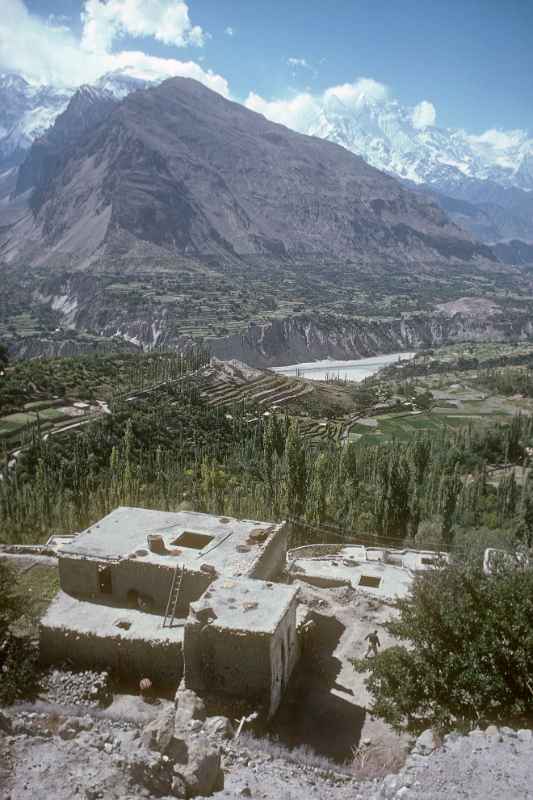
x=469 y=653
x=18 y=654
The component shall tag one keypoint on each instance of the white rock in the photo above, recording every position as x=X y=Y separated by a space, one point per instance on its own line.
x=425 y=744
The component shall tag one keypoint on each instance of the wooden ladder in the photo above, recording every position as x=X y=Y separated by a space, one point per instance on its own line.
x=173 y=597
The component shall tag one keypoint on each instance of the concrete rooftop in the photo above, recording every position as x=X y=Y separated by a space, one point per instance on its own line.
x=123 y=534
x=382 y=573
x=83 y=617
x=246 y=604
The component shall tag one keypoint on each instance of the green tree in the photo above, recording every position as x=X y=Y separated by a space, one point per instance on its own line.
x=18 y=657
x=296 y=471
x=469 y=653
x=317 y=497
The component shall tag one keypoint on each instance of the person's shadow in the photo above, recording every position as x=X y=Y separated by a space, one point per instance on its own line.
x=310 y=713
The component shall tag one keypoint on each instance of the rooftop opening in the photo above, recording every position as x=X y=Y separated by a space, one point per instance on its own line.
x=196 y=541
x=428 y=560
x=369 y=580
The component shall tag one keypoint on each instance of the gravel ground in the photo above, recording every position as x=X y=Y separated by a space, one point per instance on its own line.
x=493 y=765
x=44 y=753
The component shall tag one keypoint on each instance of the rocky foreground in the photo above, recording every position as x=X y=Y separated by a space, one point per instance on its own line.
x=83 y=752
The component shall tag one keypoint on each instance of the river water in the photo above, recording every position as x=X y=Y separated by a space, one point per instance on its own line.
x=355 y=371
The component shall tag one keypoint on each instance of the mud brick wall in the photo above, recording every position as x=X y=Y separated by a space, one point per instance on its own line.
x=272 y=558
x=132 y=659
x=229 y=662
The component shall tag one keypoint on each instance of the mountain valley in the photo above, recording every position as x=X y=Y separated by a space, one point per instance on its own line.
x=163 y=215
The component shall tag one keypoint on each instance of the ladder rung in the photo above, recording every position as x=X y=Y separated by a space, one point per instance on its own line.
x=173 y=597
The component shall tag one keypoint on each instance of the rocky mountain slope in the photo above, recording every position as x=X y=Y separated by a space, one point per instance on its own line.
x=492 y=172
x=185 y=170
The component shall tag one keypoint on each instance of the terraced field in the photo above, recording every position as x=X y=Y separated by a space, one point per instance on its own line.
x=318 y=432
x=227 y=383
x=49 y=415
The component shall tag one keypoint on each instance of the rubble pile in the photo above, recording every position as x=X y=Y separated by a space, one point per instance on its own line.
x=80 y=688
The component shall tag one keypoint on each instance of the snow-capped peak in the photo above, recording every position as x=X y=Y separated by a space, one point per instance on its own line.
x=405 y=142
x=120 y=83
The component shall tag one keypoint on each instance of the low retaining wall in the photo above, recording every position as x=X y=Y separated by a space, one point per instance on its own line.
x=132 y=659
x=314 y=551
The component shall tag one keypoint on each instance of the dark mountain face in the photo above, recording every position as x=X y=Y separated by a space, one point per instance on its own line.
x=501 y=213
x=514 y=252
x=179 y=167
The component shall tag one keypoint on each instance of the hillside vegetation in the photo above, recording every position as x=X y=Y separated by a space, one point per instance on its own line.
x=173 y=443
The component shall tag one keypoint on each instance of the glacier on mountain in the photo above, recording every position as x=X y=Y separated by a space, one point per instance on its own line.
x=387 y=136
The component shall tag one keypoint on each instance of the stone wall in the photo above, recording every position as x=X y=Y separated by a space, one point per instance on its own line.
x=132 y=659
x=79 y=577
x=153 y=581
x=253 y=666
x=273 y=556
x=314 y=550
x=284 y=653
x=235 y=663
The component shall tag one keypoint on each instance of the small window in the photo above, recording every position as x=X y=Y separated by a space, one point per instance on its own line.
x=104 y=579
x=428 y=560
x=196 y=541
x=369 y=580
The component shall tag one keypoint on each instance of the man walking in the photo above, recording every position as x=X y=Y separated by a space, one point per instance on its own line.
x=373 y=644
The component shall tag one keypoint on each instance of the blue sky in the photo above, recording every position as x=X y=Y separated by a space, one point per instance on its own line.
x=471 y=59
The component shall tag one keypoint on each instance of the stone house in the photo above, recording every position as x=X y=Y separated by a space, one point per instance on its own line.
x=170 y=595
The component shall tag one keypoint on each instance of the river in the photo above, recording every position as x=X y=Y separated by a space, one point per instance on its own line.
x=356 y=370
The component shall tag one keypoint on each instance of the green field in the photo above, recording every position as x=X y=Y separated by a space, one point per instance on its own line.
x=404 y=426
x=14 y=423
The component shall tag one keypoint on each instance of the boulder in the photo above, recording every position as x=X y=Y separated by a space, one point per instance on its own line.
x=154 y=773
x=219 y=728
x=5 y=723
x=425 y=744
x=179 y=787
x=202 y=773
x=188 y=707
x=158 y=734
x=69 y=729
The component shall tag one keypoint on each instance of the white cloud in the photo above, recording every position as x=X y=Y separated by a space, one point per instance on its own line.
x=229 y=31
x=302 y=111
x=297 y=113
x=500 y=140
x=298 y=62
x=49 y=53
x=165 y=20
x=363 y=91
x=424 y=115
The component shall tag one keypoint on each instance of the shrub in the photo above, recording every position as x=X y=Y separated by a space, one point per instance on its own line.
x=18 y=654
x=468 y=652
